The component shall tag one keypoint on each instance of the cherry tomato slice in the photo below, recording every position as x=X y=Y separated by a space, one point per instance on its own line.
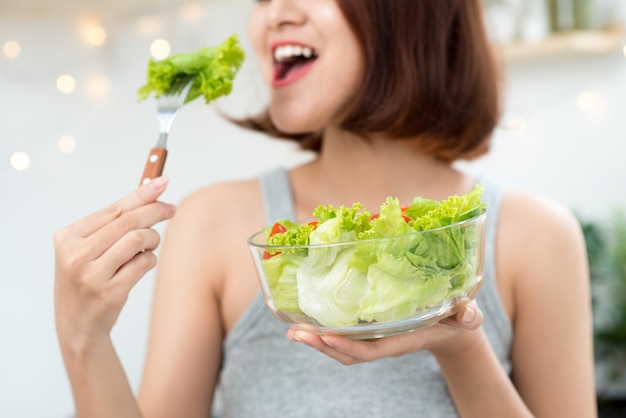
x=405 y=217
x=277 y=229
x=267 y=255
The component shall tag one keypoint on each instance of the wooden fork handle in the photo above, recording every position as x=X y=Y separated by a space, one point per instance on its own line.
x=154 y=165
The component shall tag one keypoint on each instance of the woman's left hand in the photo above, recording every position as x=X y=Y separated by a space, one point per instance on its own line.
x=442 y=336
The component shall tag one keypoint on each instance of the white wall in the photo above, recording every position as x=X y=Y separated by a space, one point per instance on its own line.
x=572 y=155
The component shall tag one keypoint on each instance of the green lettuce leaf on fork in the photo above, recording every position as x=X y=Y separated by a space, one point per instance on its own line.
x=214 y=69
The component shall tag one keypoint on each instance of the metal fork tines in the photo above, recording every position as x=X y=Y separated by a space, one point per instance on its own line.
x=168 y=106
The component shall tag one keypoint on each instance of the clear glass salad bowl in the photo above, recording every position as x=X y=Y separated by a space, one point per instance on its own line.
x=373 y=288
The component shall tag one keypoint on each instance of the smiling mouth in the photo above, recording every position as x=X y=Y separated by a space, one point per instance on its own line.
x=291 y=61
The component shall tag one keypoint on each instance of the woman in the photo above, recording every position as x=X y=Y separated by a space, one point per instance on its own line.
x=390 y=93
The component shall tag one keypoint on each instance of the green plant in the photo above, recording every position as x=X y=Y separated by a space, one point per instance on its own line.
x=606 y=250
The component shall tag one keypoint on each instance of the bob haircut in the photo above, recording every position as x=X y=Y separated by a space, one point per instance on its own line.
x=430 y=78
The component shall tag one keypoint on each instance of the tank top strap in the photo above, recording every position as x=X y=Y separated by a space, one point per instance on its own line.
x=277 y=195
x=489 y=297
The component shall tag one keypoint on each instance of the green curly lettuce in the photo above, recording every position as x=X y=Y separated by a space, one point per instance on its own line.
x=214 y=69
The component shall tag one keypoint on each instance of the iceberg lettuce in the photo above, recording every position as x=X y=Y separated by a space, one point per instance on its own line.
x=331 y=292
x=398 y=288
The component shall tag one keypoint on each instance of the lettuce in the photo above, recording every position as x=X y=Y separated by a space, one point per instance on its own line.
x=375 y=280
x=330 y=291
x=281 y=271
x=398 y=288
x=214 y=69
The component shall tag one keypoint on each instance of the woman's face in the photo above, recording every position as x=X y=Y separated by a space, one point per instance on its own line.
x=310 y=59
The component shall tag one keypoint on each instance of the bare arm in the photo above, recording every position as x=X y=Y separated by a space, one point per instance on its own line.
x=98 y=261
x=553 y=345
x=184 y=350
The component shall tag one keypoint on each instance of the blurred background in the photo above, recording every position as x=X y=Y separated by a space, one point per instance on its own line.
x=74 y=138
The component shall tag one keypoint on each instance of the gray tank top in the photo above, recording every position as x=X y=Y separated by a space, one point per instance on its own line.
x=265 y=375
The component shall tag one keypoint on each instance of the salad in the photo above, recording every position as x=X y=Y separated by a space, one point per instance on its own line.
x=390 y=269
x=214 y=69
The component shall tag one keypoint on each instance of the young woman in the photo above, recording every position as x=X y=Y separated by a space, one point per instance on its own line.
x=390 y=93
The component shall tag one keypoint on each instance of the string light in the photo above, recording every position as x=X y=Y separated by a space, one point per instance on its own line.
x=66 y=84
x=160 y=49
x=20 y=161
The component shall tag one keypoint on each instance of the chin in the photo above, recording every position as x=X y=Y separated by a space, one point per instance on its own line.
x=293 y=124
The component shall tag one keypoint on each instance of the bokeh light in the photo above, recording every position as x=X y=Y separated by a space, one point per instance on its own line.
x=66 y=84
x=148 y=25
x=98 y=87
x=93 y=34
x=12 y=49
x=589 y=102
x=67 y=144
x=192 y=12
x=517 y=126
x=20 y=161
x=160 y=49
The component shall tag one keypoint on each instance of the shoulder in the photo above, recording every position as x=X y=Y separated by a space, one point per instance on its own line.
x=230 y=204
x=220 y=197
x=540 y=247
x=533 y=215
x=540 y=222
x=216 y=216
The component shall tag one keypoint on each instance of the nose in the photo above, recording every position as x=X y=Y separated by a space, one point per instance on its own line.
x=282 y=13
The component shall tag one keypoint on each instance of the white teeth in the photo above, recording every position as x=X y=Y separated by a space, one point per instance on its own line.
x=287 y=52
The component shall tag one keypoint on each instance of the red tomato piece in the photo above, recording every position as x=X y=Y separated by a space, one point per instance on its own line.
x=267 y=255
x=277 y=229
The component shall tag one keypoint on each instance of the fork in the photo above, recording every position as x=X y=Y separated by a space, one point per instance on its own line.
x=168 y=105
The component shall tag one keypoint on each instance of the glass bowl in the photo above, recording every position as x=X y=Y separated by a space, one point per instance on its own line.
x=373 y=288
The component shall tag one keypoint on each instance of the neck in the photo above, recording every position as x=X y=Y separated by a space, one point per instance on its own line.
x=350 y=169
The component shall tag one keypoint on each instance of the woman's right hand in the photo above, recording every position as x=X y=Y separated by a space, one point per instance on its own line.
x=98 y=261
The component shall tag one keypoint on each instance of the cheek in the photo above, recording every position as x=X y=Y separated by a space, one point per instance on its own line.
x=256 y=34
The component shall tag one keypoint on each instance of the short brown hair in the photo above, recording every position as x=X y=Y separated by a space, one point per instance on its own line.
x=429 y=73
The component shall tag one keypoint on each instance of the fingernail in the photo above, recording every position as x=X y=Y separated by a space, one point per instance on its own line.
x=296 y=336
x=468 y=315
x=292 y=335
x=327 y=341
x=159 y=182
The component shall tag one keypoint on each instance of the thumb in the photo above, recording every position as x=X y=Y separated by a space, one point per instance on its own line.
x=470 y=316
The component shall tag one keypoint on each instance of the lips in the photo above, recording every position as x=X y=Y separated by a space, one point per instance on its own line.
x=292 y=60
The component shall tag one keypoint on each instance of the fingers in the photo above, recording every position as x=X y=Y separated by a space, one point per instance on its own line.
x=140 y=218
x=132 y=271
x=349 y=352
x=143 y=195
x=470 y=316
x=442 y=335
x=126 y=249
x=115 y=237
x=320 y=344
